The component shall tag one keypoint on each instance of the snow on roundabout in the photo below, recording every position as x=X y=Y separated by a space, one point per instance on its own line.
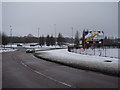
x=96 y=63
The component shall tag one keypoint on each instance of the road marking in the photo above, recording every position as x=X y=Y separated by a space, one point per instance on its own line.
x=33 y=56
x=46 y=76
x=53 y=79
x=23 y=64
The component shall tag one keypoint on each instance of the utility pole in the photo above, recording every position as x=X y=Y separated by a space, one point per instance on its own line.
x=38 y=31
x=38 y=35
x=72 y=35
x=11 y=35
x=55 y=35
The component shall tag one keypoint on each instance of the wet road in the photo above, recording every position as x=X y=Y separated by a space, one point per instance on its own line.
x=23 y=70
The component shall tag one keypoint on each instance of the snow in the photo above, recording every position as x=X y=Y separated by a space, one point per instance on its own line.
x=96 y=63
x=38 y=47
x=27 y=46
x=7 y=50
x=8 y=46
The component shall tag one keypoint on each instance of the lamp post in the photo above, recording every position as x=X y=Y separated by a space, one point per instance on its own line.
x=38 y=35
x=11 y=35
x=55 y=35
x=38 y=31
x=72 y=35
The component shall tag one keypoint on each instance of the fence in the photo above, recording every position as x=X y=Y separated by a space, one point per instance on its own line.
x=105 y=52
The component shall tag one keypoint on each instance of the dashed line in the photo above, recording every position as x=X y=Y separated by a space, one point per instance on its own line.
x=24 y=64
x=47 y=76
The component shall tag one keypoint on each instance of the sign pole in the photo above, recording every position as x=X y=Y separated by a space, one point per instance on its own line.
x=83 y=41
x=94 y=47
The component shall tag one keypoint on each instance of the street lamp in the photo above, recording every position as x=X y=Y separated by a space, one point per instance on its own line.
x=38 y=31
x=11 y=35
x=55 y=35
x=72 y=35
x=38 y=34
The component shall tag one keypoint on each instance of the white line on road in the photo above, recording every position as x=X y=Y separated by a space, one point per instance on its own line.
x=34 y=56
x=46 y=76
x=24 y=64
x=53 y=79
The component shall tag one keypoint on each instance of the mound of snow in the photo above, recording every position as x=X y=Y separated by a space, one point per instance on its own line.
x=96 y=63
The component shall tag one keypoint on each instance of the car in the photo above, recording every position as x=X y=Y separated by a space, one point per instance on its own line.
x=30 y=50
x=32 y=45
x=19 y=45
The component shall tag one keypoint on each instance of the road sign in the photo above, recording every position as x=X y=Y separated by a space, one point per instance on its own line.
x=94 y=36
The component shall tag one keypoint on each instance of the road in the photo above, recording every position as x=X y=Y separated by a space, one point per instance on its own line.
x=0 y=70
x=23 y=70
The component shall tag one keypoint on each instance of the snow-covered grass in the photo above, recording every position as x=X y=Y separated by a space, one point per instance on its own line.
x=96 y=63
x=8 y=46
x=7 y=50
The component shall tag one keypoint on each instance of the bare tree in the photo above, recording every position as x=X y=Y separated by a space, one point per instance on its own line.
x=43 y=40
x=52 y=40
x=5 y=40
x=48 y=40
x=60 y=39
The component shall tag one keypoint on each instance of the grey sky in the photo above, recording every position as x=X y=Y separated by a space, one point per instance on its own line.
x=0 y=16
x=25 y=18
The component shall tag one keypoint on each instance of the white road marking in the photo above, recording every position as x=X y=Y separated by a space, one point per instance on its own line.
x=24 y=64
x=34 y=56
x=46 y=76
x=53 y=79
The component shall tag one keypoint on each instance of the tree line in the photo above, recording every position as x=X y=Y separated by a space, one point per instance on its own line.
x=50 y=40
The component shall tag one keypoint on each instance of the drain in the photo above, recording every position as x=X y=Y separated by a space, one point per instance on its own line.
x=107 y=61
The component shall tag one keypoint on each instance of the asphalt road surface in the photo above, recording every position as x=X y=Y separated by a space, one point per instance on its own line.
x=23 y=70
x=0 y=70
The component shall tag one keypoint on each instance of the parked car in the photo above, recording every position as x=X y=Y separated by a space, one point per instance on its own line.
x=30 y=50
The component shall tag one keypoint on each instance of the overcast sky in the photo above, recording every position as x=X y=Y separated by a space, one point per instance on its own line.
x=26 y=17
